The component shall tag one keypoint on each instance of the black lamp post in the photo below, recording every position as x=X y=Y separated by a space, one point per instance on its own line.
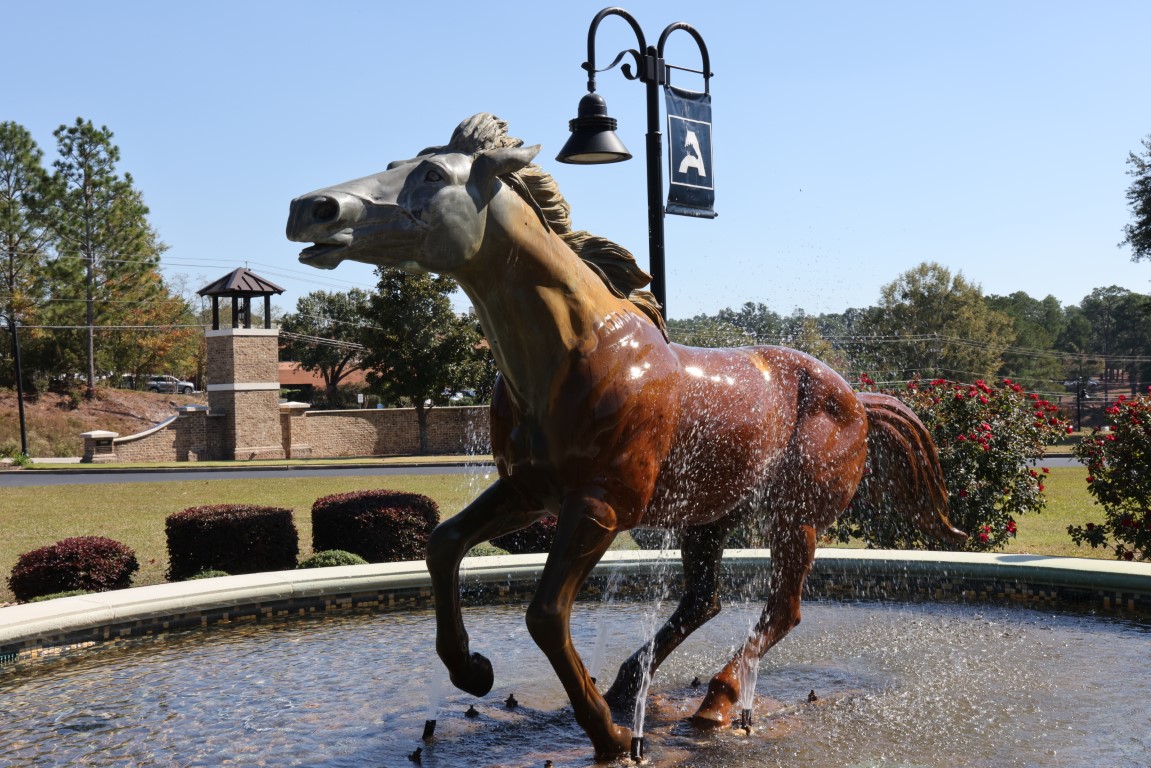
x=593 y=140
x=14 y=326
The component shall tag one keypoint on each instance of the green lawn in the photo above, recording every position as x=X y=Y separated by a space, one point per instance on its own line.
x=134 y=513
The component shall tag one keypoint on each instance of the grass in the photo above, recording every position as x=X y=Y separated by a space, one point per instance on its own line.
x=134 y=513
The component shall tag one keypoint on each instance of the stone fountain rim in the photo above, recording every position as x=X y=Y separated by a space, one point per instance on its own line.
x=35 y=630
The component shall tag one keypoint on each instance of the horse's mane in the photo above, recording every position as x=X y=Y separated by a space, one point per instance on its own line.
x=614 y=264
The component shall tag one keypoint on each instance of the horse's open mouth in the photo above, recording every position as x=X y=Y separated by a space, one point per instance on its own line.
x=323 y=255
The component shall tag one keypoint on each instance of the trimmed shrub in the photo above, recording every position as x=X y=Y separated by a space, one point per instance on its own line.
x=331 y=558
x=235 y=538
x=378 y=525
x=485 y=550
x=58 y=595
x=208 y=575
x=655 y=538
x=537 y=537
x=85 y=563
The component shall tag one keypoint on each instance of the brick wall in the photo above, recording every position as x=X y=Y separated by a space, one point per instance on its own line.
x=395 y=431
x=182 y=438
x=198 y=435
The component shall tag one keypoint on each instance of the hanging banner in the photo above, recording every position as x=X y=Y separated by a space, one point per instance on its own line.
x=692 y=191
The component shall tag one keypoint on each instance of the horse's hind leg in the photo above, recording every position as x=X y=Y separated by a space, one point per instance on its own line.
x=702 y=550
x=587 y=526
x=792 y=554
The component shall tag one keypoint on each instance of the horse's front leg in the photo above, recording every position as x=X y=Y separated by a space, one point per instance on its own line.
x=587 y=526
x=792 y=553
x=498 y=510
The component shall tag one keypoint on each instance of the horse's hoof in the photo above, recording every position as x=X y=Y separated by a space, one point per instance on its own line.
x=708 y=719
x=476 y=677
x=619 y=745
x=715 y=709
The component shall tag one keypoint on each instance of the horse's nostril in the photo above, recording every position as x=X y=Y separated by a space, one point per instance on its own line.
x=325 y=209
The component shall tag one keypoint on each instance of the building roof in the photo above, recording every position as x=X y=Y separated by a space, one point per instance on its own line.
x=291 y=374
x=240 y=282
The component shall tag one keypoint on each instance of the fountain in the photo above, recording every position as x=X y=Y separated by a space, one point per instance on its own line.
x=599 y=420
x=903 y=681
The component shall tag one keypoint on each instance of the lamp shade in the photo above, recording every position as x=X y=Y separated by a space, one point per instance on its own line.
x=593 y=140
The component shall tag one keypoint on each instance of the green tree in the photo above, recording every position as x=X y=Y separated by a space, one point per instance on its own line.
x=26 y=191
x=931 y=323
x=759 y=324
x=1120 y=323
x=1033 y=360
x=1138 y=233
x=417 y=352
x=107 y=251
x=322 y=335
x=707 y=331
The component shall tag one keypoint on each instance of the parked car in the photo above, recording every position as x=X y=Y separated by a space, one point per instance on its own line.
x=170 y=384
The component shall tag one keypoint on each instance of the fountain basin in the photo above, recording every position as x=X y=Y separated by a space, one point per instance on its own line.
x=68 y=625
x=932 y=660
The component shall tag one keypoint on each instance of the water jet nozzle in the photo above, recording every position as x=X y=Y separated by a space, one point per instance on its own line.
x=472 y=711
x=429 y=730
x=415 y=756
x=510 y=702
x=637 y=749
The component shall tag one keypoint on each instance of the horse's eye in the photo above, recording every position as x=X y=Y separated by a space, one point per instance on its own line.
x=433 y=175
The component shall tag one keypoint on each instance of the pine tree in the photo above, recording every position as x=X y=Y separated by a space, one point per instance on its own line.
x=107 y=253
x=26 y=191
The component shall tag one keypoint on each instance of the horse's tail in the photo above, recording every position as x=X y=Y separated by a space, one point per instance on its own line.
x=905 y=469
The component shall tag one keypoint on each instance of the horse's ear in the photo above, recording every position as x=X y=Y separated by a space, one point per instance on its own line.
x=496 y=162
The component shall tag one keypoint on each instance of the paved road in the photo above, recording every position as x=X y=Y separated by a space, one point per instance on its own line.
x=72 y=476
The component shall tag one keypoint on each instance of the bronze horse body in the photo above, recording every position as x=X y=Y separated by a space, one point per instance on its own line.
x=599 y=420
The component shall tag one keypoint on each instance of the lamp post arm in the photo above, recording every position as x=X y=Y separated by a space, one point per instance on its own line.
x=705 y=58
x=589 y=65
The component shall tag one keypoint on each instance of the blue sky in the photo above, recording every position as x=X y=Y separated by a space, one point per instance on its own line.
x=853 y=140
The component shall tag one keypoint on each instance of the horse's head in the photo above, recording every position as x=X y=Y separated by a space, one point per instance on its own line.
x=424 y=214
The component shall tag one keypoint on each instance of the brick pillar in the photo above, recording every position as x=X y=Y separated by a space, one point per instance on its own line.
x=294 y=429
x=244 y=389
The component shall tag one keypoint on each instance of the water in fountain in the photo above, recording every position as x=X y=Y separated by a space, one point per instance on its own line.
x=912 y=685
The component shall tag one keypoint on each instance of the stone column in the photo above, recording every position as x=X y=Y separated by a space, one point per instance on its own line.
x=99 y=446
x=244 y=389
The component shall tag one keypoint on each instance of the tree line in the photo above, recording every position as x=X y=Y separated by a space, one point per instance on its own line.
x=930 y=323
x=80 y=277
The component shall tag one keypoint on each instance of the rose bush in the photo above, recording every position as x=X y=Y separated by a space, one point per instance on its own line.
x=1118 y=461
x=988 y=437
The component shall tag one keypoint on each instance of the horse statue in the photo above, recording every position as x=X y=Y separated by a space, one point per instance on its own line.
x=599 y=420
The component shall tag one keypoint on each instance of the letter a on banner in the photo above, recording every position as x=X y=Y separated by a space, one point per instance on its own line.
x=692 y=191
